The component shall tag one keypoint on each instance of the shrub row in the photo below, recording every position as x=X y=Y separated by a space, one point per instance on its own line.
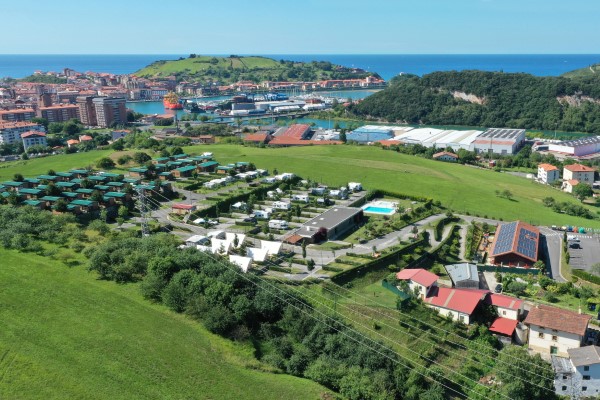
x=586 y=276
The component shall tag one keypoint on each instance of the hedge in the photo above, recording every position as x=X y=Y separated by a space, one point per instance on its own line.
x=438 y=229
x=586 y=276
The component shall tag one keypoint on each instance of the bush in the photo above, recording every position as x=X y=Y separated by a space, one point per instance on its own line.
x=517 y=288
x=586 y=276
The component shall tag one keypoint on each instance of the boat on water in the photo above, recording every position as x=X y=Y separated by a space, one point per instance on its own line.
x=171 y=102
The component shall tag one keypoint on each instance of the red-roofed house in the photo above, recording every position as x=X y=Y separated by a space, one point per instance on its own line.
x=515 y=244
x=85 y=138
x=419 y=280
x=445 y=156
x=569 y=185
x=258 y=138
x=506 y=306
x=181 y=208
x=547 y=173
x=33 y=138
x=459 y=304
x=72 y=142
x=579 y=172
x=504 y=327
x=555 y=330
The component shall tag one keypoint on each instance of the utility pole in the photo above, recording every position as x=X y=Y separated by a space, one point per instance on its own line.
x=142 y=206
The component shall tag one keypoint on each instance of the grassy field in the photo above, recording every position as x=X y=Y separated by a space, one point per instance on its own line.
x=202 y=64
x=458 y=187
x=581 y=72
x=66 y=335
x=63 y=162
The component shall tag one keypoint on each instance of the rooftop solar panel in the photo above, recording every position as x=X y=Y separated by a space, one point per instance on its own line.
x=505 y=238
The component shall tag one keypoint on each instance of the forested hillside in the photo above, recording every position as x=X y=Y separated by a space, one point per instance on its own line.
x=489 y=99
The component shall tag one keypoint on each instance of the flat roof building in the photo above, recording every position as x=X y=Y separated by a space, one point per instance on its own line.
x=110 y=111
x=577 y=147
x=332 y=224
x=499 y=141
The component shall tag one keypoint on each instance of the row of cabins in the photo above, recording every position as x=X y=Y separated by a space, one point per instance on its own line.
x=68 y=187
x=177 y=166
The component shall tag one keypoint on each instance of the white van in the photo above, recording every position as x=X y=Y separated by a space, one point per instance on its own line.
x=278 y=224
x=282 y=205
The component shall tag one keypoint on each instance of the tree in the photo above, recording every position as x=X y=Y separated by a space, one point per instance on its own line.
x=507 y=194
x=118 y=145
x=582 y=191
x=105 y=163
x=343 y=137
x=41 y=121
x=18 y=178
x=310 y=264
x=123 y=212
x=124 y=159
x=537 y=376
x=141 y=157
x=176 y=150
x=304 y=249
x=60 y=205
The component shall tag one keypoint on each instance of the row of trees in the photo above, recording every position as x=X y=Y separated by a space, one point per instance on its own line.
x=505 y=100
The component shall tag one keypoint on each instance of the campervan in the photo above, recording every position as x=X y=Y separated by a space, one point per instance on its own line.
x=278 y=224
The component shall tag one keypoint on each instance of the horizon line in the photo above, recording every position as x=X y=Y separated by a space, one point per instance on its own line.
x=300 y=54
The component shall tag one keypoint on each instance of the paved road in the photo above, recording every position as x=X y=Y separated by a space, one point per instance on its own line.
x=551 y=249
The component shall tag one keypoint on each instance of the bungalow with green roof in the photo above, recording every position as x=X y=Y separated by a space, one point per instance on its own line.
x=165 y=176
x=102 y=188
x=117 y=185
x=12 y=185
x=49 y=200
x=132 y=181
x=67 y=185
x=242 y=166
x=84 y=193
x=51 y=178
x=98 y=178
x=208 y=166
x=76 y=180
x=120 y=197
x=80 y=173
x=69 y=175
x=70 y=195
x=182 y=172
x=160 y=167
x=178 y=156
x=86 y=205
x=174 y=164
x=138 y=172
x=224 y=169
x=33 y=181
x=160 y=160
x=30 y=193
x=110 y=175
x=108 y=201
x=34 y=203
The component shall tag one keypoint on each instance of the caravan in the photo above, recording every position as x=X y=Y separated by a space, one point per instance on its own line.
x=300 y=197
x=282 y=205
x=354 y=186
x=262 y=214
x=278 y=224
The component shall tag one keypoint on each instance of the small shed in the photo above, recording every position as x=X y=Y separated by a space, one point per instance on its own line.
x=464 y=275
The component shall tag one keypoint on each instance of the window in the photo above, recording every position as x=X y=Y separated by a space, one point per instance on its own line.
x=564 y=388
x=541 y=335
x=586 y=367
x=503 y=312
x=565 y=376
x=586 y=377
x=554 y=338
x=583 y=388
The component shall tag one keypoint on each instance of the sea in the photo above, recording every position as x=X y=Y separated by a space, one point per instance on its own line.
x=386 y=65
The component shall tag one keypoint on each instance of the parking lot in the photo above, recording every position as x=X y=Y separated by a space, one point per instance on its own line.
x=585 y=253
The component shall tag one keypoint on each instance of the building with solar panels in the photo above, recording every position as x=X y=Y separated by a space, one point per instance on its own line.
x=515 y=244
x=499 y=141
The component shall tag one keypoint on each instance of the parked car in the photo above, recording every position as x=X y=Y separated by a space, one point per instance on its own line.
x=250 y=219
x=498 y=288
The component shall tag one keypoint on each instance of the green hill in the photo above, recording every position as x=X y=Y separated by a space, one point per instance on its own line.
x=197 y=68
x=66 y=335
x=489 y=99
x=591 y=70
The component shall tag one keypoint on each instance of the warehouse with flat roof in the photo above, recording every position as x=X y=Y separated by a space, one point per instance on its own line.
x=331 y=224
x=577 y=147
x=499 y=141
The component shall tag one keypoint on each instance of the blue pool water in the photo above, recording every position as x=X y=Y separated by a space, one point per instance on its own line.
x=378 y=210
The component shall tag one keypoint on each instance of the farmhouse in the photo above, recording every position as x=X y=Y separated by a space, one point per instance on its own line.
x=547 y=173
x=458 y=304
x=515 y=244
x=580 y=373
x=180 y=208
x=419 y=280
x=554 y=330
x=579 y=172
x=445 y=156
x=330 y=225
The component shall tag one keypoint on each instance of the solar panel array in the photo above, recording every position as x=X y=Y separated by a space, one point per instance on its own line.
x=505 y=237
x=527 y=244
x=502 y=133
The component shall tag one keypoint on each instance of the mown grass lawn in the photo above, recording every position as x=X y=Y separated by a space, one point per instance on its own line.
x=66 y=335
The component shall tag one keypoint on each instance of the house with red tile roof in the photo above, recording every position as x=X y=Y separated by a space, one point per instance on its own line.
x=419 y=280
x=258 y=138
x=547 y=173
x=509 y=310
x=553 y=331
x=445 y=156
x=569 y=185
x=458 y=304
x=579 y=172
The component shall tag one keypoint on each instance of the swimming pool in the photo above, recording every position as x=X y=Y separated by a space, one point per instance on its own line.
x=380 y=207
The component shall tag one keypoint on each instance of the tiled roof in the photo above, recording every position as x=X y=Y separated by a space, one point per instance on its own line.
x=460 y=300
x=501 y=300
x=419 y=275
x=547 y=167
x=579 y=168
x=587 y=355
x=516 y=237
x=504 y=326
x=445 y=153
x=32 y=133
x=558 y=319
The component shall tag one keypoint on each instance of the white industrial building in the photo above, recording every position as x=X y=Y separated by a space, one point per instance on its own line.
x=578 y=147
x=439 y=138
x=499 y=141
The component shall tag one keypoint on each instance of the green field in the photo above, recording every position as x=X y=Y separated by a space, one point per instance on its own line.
x=461 y=188
x=590 y=70
x=201 y=64
x=63 y=162
x=66 y=335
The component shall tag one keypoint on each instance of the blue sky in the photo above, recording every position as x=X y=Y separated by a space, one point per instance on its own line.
x=299 y=26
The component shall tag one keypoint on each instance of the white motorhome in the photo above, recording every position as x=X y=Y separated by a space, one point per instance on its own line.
x=319 y=191
x=354 y=186
x=262 y=214
x=282 y=205
x=278 y=224
x=268 y=180
x=300 y=197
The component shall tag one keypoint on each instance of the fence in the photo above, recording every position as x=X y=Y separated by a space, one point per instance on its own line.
x=506 y=270
x=403 y=296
